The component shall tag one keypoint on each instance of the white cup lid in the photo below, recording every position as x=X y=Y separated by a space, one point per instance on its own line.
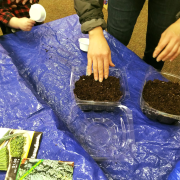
x=37 y=12
x=84 y=41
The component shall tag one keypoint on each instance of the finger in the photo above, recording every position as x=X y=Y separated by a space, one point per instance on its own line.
x=17 y=1
x=30 y=25
x=31 y=21
x=166 y=50
x=13 y=6
x=24 y=2
x=100 y=69
x=175 y=56
x=110 y=62
x=162 y=43
x=31 y=1
x=171 y=53
x=106 y=67
x=95 y=69
x=89 y=66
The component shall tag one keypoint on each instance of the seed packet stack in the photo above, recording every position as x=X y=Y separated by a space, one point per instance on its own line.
x=19 y=144
x=18 y=150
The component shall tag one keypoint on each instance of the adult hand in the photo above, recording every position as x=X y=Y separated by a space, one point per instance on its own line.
x=169 y=45
x=25 y=24
x=99 y=55
x=23 y=1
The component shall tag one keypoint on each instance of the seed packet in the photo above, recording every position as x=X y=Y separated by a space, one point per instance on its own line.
x=39 y=169
x=17 y=143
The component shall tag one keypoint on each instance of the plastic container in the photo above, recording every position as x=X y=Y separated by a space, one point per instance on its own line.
x=86 y=105
x=155 y=114
x=84 y=44
x=37 y=13
x=104 y=135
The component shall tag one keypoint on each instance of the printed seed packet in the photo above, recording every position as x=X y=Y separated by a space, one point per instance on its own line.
x=19 y=144
x=39 y=169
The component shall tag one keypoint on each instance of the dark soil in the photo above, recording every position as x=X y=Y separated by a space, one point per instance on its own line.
x=86 y=88
x=163 y=96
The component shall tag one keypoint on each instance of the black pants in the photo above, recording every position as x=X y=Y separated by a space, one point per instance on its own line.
x=122 y=16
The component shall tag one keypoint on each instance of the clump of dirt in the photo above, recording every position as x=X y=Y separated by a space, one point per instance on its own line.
x=86 y=88
x=163 y=96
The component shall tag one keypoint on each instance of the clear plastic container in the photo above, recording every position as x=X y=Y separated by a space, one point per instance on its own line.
x=104 y=135
x=155 y=114
x=86 y=105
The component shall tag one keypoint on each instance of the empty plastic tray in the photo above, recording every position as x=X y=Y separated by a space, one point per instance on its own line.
x=104 y=135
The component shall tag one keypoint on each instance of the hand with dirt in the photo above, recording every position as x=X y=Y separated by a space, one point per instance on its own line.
x=169 y=45
x=99 y=55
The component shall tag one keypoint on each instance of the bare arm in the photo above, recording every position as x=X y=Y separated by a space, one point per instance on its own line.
x=92 y=22
x=99 y=54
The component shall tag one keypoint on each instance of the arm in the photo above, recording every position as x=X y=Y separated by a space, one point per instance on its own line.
x=5 y=15
x=168 y=47
x=9 y=19
x=99 y=55
x=92 y=22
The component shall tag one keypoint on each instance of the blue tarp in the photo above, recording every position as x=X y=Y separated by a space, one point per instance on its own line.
x=44 y=58
x=20 y=108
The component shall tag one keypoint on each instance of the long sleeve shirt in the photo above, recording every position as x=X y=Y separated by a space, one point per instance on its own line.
x=7 y=11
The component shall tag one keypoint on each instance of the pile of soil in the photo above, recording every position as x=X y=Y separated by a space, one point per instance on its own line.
x=86 y=88
x=163 y=96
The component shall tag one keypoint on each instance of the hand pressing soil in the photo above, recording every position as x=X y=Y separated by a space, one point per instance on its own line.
x=163 y=96
x=86 y=88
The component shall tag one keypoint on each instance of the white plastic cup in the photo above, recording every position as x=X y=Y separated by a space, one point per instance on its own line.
x=37 y=13
x=84 y=44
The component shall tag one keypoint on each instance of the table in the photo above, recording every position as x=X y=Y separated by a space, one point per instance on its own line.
x=44 y=58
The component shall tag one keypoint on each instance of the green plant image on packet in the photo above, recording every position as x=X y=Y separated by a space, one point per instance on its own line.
x=17 y=146
x=4 y=150
x=35 y=169
x=4 y=158
x=17 y=143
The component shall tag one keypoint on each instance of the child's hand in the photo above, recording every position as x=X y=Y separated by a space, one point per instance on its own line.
x=25 y=24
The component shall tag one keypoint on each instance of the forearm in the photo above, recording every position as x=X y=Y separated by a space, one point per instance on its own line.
x=14 y=23
x=97 y=31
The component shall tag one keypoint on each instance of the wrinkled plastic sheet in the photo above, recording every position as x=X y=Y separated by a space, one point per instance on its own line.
x=44 y=58
x=21 y=108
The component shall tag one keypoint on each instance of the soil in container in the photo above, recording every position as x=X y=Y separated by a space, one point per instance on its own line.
x=86 y=88
x=163 y=96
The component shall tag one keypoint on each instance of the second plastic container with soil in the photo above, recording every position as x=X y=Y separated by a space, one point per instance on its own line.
x=160 y=99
